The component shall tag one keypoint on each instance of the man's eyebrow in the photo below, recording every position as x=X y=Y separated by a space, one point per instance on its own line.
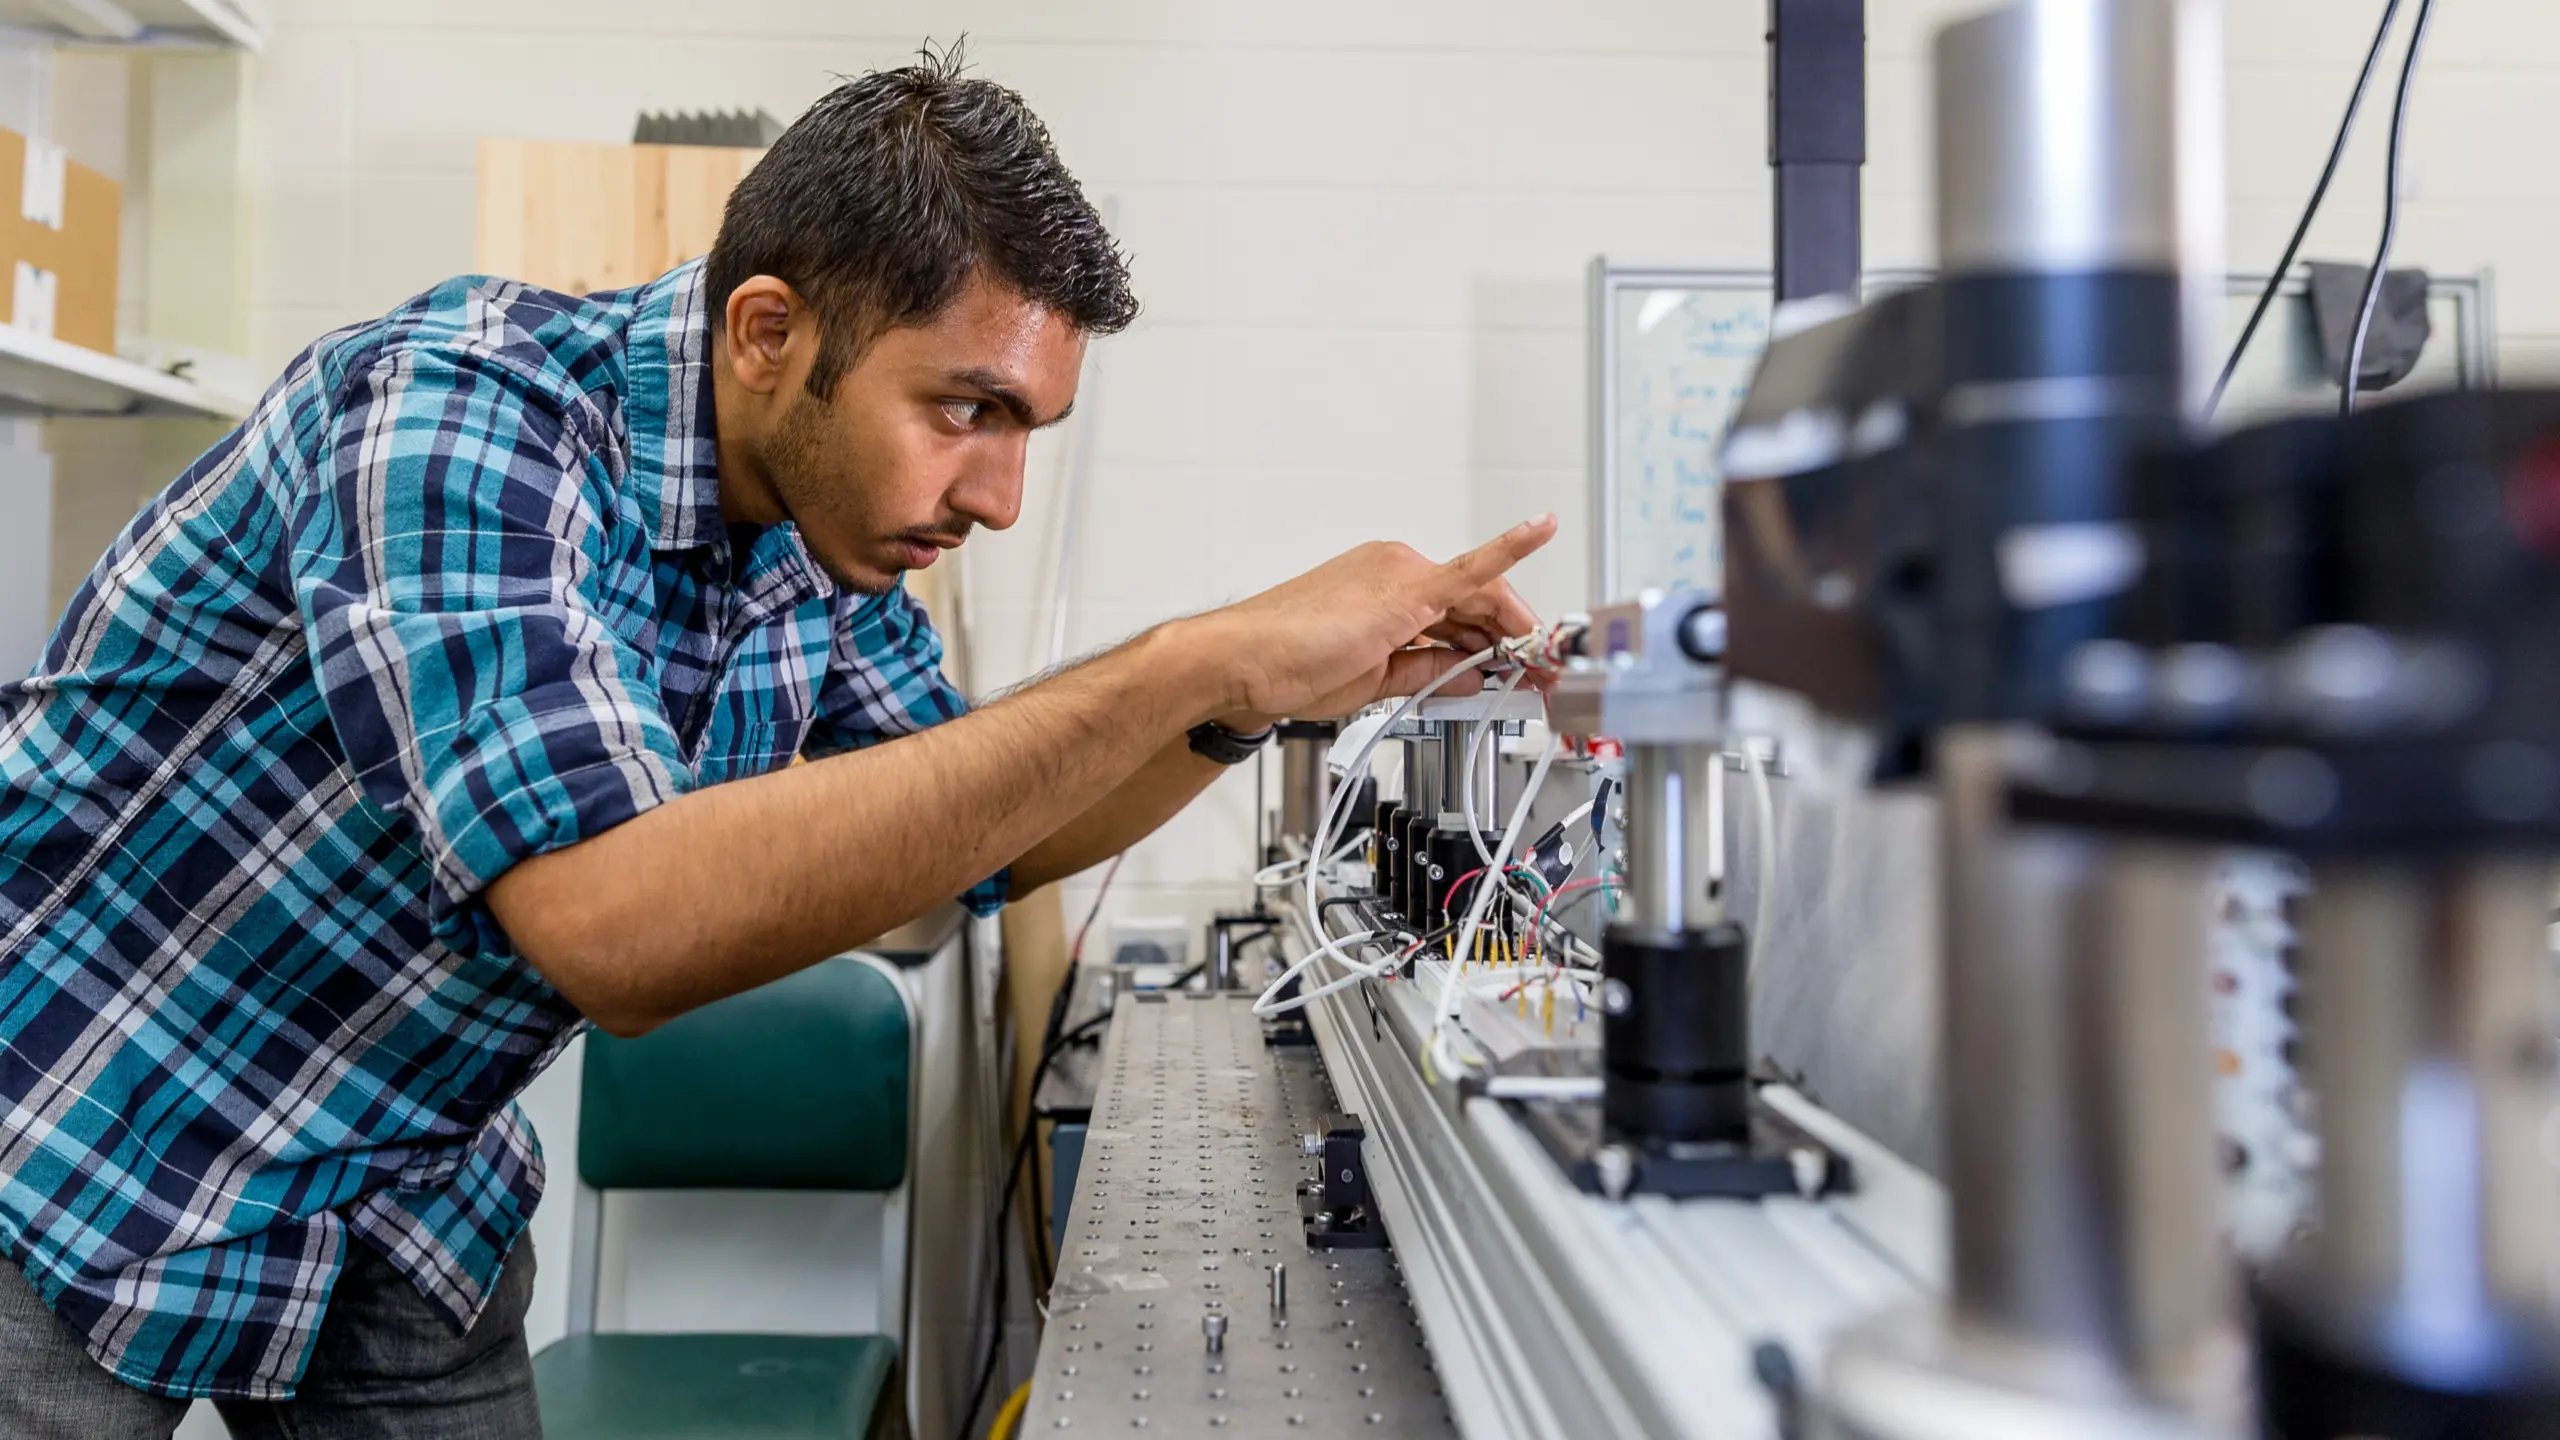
x=993 y=386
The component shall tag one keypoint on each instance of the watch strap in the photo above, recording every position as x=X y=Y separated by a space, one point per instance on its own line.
x=1216 y=742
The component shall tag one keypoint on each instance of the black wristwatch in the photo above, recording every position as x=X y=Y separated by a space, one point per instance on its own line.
x=1217 y=742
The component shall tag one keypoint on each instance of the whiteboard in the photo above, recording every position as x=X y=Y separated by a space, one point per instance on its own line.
x=1673 y=350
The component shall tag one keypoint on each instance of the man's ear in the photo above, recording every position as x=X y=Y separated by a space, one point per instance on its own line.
x=766 y=324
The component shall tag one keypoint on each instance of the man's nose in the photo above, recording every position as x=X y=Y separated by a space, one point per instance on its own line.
x=990 y=492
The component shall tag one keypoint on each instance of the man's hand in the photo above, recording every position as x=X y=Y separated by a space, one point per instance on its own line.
x=1344 y=634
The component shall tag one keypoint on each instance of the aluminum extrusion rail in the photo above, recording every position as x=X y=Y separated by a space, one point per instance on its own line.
x=1553 y=1313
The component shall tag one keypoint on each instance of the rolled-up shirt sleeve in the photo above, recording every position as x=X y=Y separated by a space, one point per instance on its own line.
x=445 y=563
x=884 y=680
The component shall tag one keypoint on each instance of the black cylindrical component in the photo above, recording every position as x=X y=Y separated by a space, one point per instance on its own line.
x=1452 y=856
x=1419 y=892
x=1387 y=848
x=1675 y=1033
x=2322 y=1372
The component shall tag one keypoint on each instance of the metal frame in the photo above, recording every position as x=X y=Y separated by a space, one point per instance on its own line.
x=1167 y=1312
x=2474 y=296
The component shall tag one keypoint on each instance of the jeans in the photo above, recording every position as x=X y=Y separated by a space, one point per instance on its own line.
x=387 y=1367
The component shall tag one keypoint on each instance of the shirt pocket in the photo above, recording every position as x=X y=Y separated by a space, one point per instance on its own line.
x=739 y=749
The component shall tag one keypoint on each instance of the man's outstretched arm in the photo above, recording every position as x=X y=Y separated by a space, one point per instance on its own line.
x=734 y=885
x=1163 y=783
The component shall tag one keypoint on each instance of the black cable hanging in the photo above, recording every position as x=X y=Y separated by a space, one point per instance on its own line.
x=2319 y=192
x=2390 y=212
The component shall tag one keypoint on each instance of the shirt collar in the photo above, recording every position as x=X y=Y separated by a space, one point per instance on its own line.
x=675 y=458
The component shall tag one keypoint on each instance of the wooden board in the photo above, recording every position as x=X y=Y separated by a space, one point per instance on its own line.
x=577 y=216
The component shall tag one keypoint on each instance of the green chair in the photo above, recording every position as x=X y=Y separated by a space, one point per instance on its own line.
x=802 y=1084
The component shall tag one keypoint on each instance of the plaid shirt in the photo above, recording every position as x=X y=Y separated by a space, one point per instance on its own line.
x=458 y=593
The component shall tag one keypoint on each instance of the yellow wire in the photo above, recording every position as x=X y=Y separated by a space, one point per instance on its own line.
x=1002 y=1427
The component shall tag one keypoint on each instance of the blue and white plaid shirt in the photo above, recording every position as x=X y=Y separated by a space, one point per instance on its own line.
x=457 y=594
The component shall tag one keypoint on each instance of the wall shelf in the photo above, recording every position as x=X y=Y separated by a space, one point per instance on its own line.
x=44 y=377
x=183 y=24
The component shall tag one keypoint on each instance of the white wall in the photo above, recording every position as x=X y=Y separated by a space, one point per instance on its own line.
x=1359 y=228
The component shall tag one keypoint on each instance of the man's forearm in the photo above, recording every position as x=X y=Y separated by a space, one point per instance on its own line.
x=1171 y=779
x=739 y=884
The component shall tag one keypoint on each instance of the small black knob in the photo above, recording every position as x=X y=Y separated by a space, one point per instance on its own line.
x=1702 y=634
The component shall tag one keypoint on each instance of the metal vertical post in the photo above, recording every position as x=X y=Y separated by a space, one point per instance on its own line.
x=1817 y=142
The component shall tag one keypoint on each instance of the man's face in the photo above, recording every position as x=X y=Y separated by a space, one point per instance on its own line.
x=923 y=438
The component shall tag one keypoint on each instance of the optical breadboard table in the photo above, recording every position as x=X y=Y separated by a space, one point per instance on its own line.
x=1187 y=1199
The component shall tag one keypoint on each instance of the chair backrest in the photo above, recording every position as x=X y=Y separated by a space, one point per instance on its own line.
x=796 y=1085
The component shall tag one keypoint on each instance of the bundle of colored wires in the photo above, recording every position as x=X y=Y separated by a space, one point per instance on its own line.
x=1337 y=809
x=1437 y=1042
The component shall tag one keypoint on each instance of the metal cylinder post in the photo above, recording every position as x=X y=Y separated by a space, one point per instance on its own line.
x=1456 y=785
x=1306 y=779
x=2426 y=1288
x=2079 y=1160
x=1667 y=837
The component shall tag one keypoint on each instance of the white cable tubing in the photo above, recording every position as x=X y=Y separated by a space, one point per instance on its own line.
x=1543 y=1087
x=1337 y=806
x=1483 y=900
x=1765 y=808
x=1467 y=797
x=1467 y=777
x=1272 y=877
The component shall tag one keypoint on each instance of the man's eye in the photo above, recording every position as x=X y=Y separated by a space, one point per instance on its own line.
x=964 y=413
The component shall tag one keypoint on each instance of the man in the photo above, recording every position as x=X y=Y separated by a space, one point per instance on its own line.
x=445 y=704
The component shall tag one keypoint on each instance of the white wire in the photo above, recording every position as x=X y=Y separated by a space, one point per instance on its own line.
x=1765 y=810
x=1272 y=877
x=1467 y=782
x=1543 y=1087
x=1336 y=808
x=1483 y=901
x=1357 y=972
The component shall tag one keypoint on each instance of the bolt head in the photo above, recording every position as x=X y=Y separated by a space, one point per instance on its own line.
x=1809 y=1168
x=1616 y=1166
x=1615 y=997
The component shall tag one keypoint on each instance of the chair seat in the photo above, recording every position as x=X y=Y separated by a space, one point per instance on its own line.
x=712 y=1387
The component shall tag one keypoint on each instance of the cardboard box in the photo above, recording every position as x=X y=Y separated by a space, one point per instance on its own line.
x=572 y=216
x=59 y=234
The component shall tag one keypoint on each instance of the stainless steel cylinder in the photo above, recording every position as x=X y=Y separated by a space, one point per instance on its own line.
x=1453 y=779
x=2430 y=1029
x=2055 y=147
x=2079 y=1162
x=2078 y=136
x=1422 y=775
x=1667 y=837
x=1306 y=786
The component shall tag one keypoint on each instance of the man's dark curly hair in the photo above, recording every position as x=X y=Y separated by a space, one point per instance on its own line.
x=880 y=200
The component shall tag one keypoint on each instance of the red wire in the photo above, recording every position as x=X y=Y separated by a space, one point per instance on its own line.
x=1075 y=955
x=1538 y=926
x=1516 y=867
x=1452 y=897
